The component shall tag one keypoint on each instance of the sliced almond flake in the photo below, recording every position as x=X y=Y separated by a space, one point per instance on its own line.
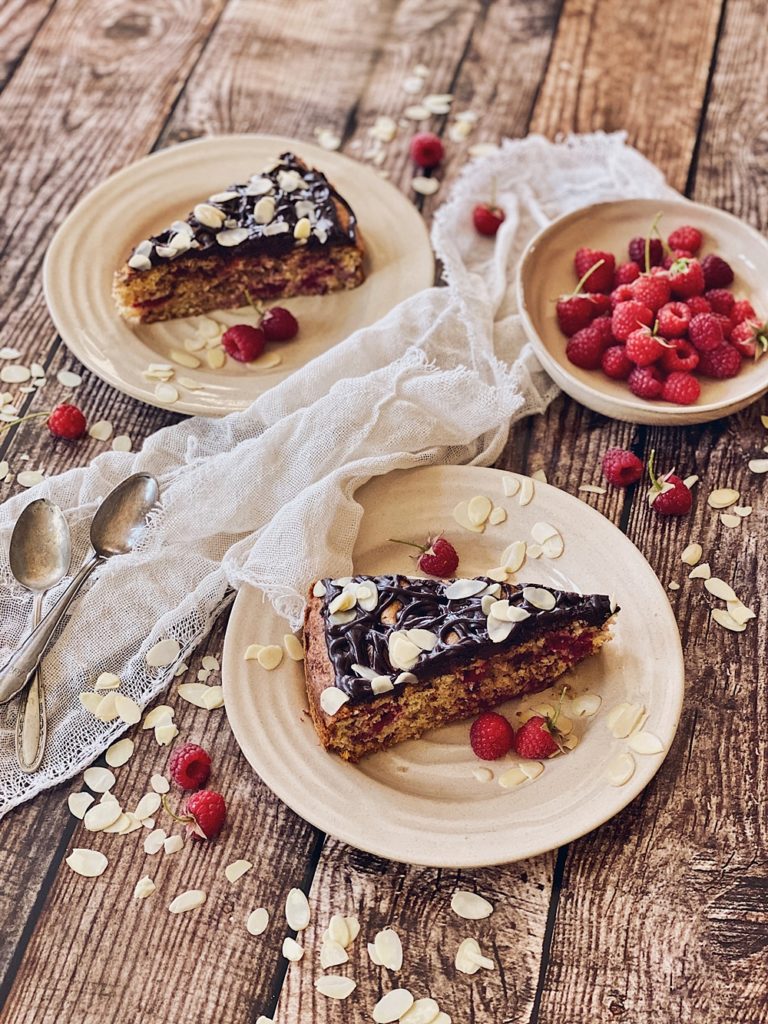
x=107 y=681
x=211 y=663
x=29 y=477
x=374 y=956
x=758 y=465
x=185 y=359
x=514 y=556
x=266 y=361
x=196 y=344
x=335 y=986
x=127 y=708
x=656 y=492
x=213 y=698
x=732 y=522
x=498 y=573
x=107 y=796
x=144 y=888
x=505 y=611
x=510 y=484
x=463 y=588
x=160 y=715
x=252 y=652
x=392 y=1006
x=620 y=769
x=189 y=384
x=423 y=1011
x=353 y=927
x=15 y=374
x=532 y=769
x=153 y=843
x=701 y=572
x=215 y=357
x=6 y=352
x=389 y=949
x=417 y=112
x=119 y=753
x=498 y=631
x=68 y=379
x=592 y=489
x=193 y=693
x=338 y=931
x=257 y=921
x=163 y=653
x=101 y=430
x=269 y=657
x=470 y=906
x=148 y=805
x=4 y=468
x=727 y=621
x=461 y=515
x=723 y=497
x=673 y=585
x=122 y=443
x=624 y=718
x=98 y=779
x=466 y=957
x=297 y=910
x=132 y=824
x=739 y=611
x=236 y=870
x=692 y=554
x=342 y=602
x=165 y=734
x=292 y=950
x=425 y=639
x=88 y=863
x=102 y=815
x=478 y=509
x=118 y=826
x=645 y=743
x=719 y=588
x=185 y=901
x=539 y=598
x=166 y=393
x=498 y=515
x=90 y=700
x=180 y=669
x=764 y=421
x=527 y=491
x=512 y=777
x=79 y=803
x=160 y=784
x=332 y=699
x=691 y=481
x=332 y=954
x=742 y=510
x=173 y=844
x=542 y=532
x=106 y=710
x=540 y=475
x=482 y=774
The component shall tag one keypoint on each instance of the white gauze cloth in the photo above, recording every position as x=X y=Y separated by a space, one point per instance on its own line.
x=266 y=496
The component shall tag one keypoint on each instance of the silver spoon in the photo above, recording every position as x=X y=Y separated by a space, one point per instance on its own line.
x=39 y=555
x=115 y=530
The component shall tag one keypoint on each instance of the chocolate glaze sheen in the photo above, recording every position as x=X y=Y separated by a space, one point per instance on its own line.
x=316 y=189
x=364 y=640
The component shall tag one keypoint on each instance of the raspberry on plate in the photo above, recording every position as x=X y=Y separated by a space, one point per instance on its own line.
x=67 y=422
x=698 y=304
x=535 y=739
x=685 y=237
x=750 y=339
x=741 y=311
x=645 y=382
x=279 y=324
x=628 y=316
x=621 y=467
x=652 y=290
x=686 y=278
x=721 y=300
x=705 y=332
x=681 y=388
x=615 y=363
x=717 y=273
x=574 y=312
x=189 y=766
x=673 y=320
x=491 y=736
x=721 y=363
x=244 y=342
x=600 y=276
x=626 y=273
x=207 y=813
x=585 y=348
x=679 y=355
x=636 y=251
x=487 y=218
x=439 y=558
x=643 y=347
x=621 y=293
x=426 y=150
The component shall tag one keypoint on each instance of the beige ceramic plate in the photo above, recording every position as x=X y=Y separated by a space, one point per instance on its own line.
x=420 y=802
x=141 y=199
x=546 y=271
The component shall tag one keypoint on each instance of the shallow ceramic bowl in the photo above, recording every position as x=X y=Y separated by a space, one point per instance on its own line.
x=546 y=271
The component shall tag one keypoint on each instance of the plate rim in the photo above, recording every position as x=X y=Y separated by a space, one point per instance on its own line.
x=631 y=790
x=629 y=409
x=188 y=405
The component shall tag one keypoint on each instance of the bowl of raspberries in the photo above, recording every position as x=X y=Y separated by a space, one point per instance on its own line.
x=651 y=311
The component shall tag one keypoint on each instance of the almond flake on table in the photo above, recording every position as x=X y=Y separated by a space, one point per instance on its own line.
x=727 y=621
x=742 y=510
x=332 y=954
x=132 y=824
x=758 y=465
x=15 y=374
x=180 y=669
x=335 y=986
x=194 y=693
x=297 y=911
x=592 y=489
x=166 y=393
x=122 y=443
x=79 y=803
x=101 y=430
x=293 y=647
x=29 y=477
x=723 y=497
x=88 y=863
x=119 y=753
x=389 y=949
x=719 y=588
x=701 y=572
x=673 y=585
x=107 y=681
x=144 y=887
x=4 y=470
x=425 y=186
x=692 y=554
x=257 y=921
x=190 y=900
x=127 y=708
x=163 y=653
x=328 y=139
x=392 y=1006
x=153 y=843
x=172 y=844
x=118 y=826
x=90 y=700
x=423 y=1011
x=165 y=734
x=732 y=522
x=6 y=352
x=213 y=698
x=148 y=805
x=620 y=769
x=68 y=379
x=100 y=780
x=470 y=906
x=739 y=611
x=417 y=112
x=291 y=950
x=236 y=870
x=469 y=958
x=102 y=815
x=160 y=715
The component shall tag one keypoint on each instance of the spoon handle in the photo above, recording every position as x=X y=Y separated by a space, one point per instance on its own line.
x=31 y=724
x=23 y=662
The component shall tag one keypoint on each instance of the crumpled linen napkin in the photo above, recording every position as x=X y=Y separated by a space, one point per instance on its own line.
x=266 y=496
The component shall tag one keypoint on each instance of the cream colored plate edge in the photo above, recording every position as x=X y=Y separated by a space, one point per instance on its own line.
x=545 y=271
x=419 y=802
x=98 y=234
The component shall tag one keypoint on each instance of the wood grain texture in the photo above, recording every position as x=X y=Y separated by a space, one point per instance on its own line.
x=618 y=67
x=19 y=21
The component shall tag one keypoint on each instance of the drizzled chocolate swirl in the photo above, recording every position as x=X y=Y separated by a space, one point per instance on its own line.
x=460 y=625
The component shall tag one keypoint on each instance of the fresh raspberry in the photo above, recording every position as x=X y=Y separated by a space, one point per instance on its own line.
x=426 y=149
x=67 y=422
x=585 y=348
x=686 y=278
x=601 y=278
x=645 y=382
x=652 y=290
x=674 y=256
x=243 y=342
x=681 y=388
x=721 y=362
x=743 y=339
x=705 y=332
x=679 y=356
x=189 y=766
x=600 y=301
x=534 y=739
x=207 y=812
x=573 y=313
x=643 y=348
x=725 y=324
x=615 y=363
x=717 y=273
x=487 y=219
x=279 y=324
x=673 y=320
x=626 y=273
x=621 y=468
x=491 y=736
x=602 y=326
x=721 y=300
x=636 y=252
x=741 y=311
x=685 y=237
x=698 y=304
x=622 y=293
x=439 y=558
x=628 y=316
x=676 y=502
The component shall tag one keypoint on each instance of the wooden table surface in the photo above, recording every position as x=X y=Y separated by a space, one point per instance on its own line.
x=660 y=915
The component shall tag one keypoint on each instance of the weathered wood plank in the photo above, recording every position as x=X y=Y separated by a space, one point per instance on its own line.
x=19 y=21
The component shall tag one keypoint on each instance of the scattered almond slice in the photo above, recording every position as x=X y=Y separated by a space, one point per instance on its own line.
x=98 y=779
x=392 y=1006
x=101 y=430
x=293 y=647
x=513 y=557
x=185 y=901
x=742 y=510
x=729 y=520
x=645 y=743
x=673 y=585
x=758 y=465
x=621 y=769
x=29 y=477
x=533 y=769
x=292 y=950
x=297 y=912
x=691 y=554
x=540 y=475
x=535 y=551
x=270 y=657
x=527 y=490
x=701 y=572
x=153 y=843
x=461 y=515
x=165 y=734
x=118 y=825
x=478 y=509
x=510 y=484
x=185 y=359
x=266 y=361
x=119 y=753
x=107 y=681
x=592 y=489
x=719 y=588
x=498 y=515
x=131 y=824
x=585 y=705
x=469 y=958
x=160 y=715
x=122 y=443
x=470 y=906
x=389 y=949
x=513 y=776
x=213 y=698
x=723 y=497
x=623 y=719
x=88 y=863
x=148 y=805
x=107 y=707
x=727 y=621
x=90 y=700
x=163 y=653
x=127 y=708
x=483 y=774
x=423 y=1011
x=172 y=844
x=539 y=598
x=144 y=887
x=257 y=921
x=216 y=357
x=79 y=803
x=425 y=186
x=335 y=986
x=193 y=693
x=374 y=956
x=236 y=870
x=332 y=954
x=739 y=611
x=101 y=815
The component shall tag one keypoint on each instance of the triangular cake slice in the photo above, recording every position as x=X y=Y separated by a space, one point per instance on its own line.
x=389 y=657
x=286 y=231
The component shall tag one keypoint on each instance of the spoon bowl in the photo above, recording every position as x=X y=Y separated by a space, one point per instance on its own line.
x=121 y=518
x=41 y=548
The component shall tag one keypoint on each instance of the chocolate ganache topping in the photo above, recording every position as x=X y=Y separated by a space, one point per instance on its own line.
x=399 y=630
x=287 y=205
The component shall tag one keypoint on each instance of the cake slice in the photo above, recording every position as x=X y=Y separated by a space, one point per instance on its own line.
x=286 y=231
x=389 y=657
